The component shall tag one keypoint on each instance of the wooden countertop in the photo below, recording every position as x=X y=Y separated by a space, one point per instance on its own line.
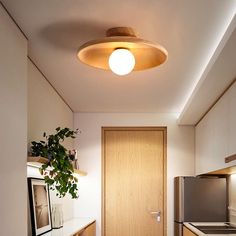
x=71 y=227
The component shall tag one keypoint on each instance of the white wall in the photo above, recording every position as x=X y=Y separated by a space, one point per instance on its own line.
x=13 y=126
x=180 y=156
x=232 y=198
x=47 y=111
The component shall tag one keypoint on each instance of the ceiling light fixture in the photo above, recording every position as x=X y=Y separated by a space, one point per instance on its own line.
x=122 y=52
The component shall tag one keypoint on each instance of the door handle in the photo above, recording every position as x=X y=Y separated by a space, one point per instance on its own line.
x=158 y=215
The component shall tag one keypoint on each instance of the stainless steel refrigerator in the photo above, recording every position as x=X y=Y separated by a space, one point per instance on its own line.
x=199 y=200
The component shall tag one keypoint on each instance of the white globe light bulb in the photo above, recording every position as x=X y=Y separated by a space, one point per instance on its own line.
x=121 y=61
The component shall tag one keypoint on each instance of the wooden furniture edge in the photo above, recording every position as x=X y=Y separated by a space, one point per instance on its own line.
x=188 y=231
x=81 y=231
x=39 y=159
x=80 y=172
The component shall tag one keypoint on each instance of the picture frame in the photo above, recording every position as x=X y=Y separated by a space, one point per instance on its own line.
x=40 y=208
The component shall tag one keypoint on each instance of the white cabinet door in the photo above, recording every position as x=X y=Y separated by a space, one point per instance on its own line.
x=220 y=146
x=212 y=138
x=204 y=146
x=232 y=121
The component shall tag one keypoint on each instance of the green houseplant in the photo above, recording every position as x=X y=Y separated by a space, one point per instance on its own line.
x=59 y=176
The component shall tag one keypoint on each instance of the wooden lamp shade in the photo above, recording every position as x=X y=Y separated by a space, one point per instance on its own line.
x=96 y=53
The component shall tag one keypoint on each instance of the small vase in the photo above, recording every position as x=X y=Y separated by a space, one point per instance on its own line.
x=57 y=216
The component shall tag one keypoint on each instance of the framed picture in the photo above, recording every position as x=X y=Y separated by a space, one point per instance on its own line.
x=40 y=208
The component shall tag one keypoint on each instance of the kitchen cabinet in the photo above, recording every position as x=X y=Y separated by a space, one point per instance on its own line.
x=232 y=121
x=215 y=135
x=75 y=227
x=188 y=232
x=89 y=230
x=204 y=147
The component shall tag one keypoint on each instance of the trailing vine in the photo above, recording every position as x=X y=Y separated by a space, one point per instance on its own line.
x=59 y=176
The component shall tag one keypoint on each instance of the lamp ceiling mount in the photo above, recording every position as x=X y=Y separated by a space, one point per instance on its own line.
x=121 y=31
x=96 y=53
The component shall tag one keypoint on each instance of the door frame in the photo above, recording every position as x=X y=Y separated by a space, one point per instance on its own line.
x=143 y=128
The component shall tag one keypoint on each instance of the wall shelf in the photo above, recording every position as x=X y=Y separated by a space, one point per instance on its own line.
x=230 y=158
x=38 y=161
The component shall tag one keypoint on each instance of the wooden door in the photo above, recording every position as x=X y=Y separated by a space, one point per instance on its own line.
x=134 y=187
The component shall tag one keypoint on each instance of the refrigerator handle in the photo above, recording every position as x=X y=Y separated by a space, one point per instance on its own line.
x=179 y=198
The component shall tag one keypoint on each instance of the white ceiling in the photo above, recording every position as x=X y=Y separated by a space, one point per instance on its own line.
x=190 y=30
x=217 y=76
